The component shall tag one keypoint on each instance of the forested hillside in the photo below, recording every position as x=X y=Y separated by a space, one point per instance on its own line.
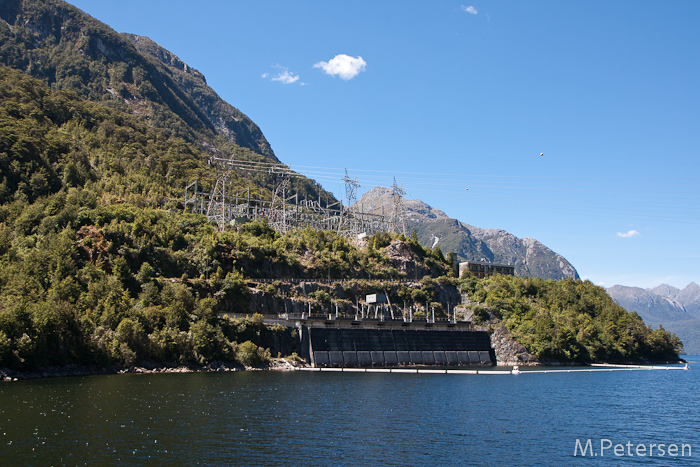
x=568 y=320
x=99 y=266
x=68 y=50
x=99 y=263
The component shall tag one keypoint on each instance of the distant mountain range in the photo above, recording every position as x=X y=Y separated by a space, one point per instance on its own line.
x=434 y=227
x=676 y=310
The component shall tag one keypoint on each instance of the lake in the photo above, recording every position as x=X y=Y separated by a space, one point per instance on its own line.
x=327 y=418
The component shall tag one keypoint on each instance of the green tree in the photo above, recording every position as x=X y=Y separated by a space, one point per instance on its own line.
x=247 y=354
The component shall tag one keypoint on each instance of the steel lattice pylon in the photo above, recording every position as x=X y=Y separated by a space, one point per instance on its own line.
x=278 y=209
x=351 y=186
x=349 y=224
x=218 y=208
x=398 y=216
x=284 y=211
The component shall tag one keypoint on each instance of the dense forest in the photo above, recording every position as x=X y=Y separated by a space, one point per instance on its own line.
x=568 y=320
x=101 y=265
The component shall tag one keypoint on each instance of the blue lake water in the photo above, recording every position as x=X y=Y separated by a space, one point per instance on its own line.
x=326 y=418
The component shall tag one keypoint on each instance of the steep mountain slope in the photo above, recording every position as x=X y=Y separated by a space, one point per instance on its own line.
x=226 y=119
x=689 y=297
x=666 y=290
x=530 y=257
x=674 y=309
x=54 y=141
x=434 y=227
x=69 y=50
x=56 y=42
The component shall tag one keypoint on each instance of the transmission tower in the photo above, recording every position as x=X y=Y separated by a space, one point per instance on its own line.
x=286 y=212
x=351 y=186
x=217 y=209
x=278 y=211
x=398 y=217
x=348 y=224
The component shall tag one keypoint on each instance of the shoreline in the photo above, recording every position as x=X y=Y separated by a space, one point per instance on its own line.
x=7 y=375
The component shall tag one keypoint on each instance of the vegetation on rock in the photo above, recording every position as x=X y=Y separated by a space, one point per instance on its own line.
x=568 y=320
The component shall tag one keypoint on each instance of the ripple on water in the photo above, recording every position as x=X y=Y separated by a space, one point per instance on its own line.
x=312 y=418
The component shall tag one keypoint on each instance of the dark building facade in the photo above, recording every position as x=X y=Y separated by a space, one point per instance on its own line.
x=483 y=269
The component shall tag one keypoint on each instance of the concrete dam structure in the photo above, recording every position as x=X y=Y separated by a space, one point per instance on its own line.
x=364 y=344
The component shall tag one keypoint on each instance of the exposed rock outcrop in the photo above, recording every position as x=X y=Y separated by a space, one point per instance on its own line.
x=404 y=259
x=509 y=351
x=433 y=227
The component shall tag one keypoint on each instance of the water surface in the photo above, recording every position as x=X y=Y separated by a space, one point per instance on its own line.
x=312 y=418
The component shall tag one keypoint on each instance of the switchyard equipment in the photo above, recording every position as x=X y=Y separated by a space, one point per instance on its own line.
x=285 y=211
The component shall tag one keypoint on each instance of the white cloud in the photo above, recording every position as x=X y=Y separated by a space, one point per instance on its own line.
x=283 y=76
x=344 y=66
x=630 y=234
x=286 y=77
x=469 y=9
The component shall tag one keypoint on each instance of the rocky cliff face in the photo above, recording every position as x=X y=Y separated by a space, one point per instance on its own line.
x=530 y=257
x=509 y=351
x=434 y=227
x=59 y=44
x=689 y=297
x=228 y=120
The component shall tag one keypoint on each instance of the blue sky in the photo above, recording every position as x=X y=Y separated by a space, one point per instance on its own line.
x=447 y=95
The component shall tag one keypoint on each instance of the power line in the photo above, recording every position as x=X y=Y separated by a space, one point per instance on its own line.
x=609 y=196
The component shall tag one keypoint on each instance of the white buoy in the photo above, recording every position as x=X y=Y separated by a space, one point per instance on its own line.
x=516 y=370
